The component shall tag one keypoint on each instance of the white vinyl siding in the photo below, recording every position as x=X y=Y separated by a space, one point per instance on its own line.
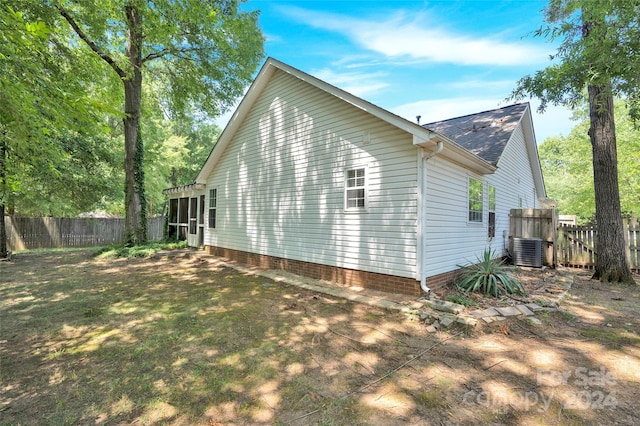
x=450 y=241
x=283 y=176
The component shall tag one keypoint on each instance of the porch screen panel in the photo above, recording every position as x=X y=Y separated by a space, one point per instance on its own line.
x=193 y=216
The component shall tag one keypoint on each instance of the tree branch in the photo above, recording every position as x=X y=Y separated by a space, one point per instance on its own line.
x=106 y=57
x=156 y=55
x=164 y=52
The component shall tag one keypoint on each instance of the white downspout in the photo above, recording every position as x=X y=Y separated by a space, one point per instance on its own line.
x=438 y=150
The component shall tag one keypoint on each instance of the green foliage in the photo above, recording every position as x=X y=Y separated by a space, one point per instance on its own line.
x=202 y=52
x=62 y=102
x=608 y=56
x=599 y=52
x=58 y=159
x=490 y=276
x=176 y=146
x=82 y=176
x=143 y=250
x=567 y=166
x=461 y=299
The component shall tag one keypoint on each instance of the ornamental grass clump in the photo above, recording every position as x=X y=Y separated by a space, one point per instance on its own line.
x=489 y=275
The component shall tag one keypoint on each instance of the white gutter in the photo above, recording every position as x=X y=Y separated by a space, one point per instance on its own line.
x=423 y=278
x=439 y=148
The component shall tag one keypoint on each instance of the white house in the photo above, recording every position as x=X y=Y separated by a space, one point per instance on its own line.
x=309 y=178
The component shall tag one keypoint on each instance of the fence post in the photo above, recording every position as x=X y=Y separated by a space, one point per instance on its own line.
x=627 y=244
x=554 y=237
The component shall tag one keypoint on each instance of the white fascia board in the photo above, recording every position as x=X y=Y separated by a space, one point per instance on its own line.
x=453 y=152
x=183 y=189
x=421 y=136
x=236 y=120
x=526 y=121
x=532 y=146
x=360 y=103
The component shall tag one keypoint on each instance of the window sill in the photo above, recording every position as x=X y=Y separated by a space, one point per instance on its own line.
x=355 y=211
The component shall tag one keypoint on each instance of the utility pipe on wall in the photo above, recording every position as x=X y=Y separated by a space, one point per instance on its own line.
x=438 y=150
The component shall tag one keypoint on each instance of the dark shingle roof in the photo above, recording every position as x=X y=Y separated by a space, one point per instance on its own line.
x=485 y=133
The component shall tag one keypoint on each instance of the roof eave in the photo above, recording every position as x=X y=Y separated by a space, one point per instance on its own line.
x=532 y=151
x=454 y=153
x=236 y=120
x=184 y=188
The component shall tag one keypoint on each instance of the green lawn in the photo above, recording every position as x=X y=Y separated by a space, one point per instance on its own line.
x=181 y=340
x=90 y=340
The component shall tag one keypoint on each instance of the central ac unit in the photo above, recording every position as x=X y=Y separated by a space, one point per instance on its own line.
x=527 y=252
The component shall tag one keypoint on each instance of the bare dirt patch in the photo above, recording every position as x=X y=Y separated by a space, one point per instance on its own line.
x=182 y=340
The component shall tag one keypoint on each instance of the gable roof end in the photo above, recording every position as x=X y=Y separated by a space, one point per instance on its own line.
x=421 y=136
x=485 y=133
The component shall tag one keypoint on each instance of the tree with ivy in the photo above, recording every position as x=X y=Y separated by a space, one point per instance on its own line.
x=205 y=52
x=600 y=54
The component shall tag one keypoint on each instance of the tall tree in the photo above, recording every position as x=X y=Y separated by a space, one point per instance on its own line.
x=599 y=52
x=206 y=51
x=40 y=91
x=568 y=168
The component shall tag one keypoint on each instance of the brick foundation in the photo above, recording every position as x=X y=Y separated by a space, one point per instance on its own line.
x=437 y=283
x=351 y=277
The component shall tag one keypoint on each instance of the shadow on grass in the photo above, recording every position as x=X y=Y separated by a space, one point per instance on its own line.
x=183 y=340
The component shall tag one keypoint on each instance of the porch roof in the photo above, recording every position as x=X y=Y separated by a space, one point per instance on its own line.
x=184 y=188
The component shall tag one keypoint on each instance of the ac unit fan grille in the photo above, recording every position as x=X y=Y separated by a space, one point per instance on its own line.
x=527 y=252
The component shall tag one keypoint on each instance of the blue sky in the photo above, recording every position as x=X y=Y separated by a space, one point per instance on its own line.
x=436 y=59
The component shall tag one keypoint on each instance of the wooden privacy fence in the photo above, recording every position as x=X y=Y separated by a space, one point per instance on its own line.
x=568 y=245
x=50 y=232
x=535 y=223
x=576 y=245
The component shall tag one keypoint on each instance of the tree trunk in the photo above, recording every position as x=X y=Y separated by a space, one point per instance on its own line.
x=135 y=219
x=611 y=259
x=4 y=253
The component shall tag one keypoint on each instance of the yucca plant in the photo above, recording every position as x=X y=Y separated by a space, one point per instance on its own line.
x=490 y=276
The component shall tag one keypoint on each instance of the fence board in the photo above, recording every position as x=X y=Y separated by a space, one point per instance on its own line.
x=569 y=245
x=535 y=223
x=576 y=245
x=633 y=235
x=49 y=232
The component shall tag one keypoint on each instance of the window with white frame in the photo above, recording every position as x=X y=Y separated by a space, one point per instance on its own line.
x=475 y=200
x=355 y=189
x=213 y=207
x=492 y=212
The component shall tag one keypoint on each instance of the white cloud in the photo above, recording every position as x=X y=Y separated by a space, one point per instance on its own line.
x=272 y=38
x=503 y=85
x=359 y=84
x=418 y=37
